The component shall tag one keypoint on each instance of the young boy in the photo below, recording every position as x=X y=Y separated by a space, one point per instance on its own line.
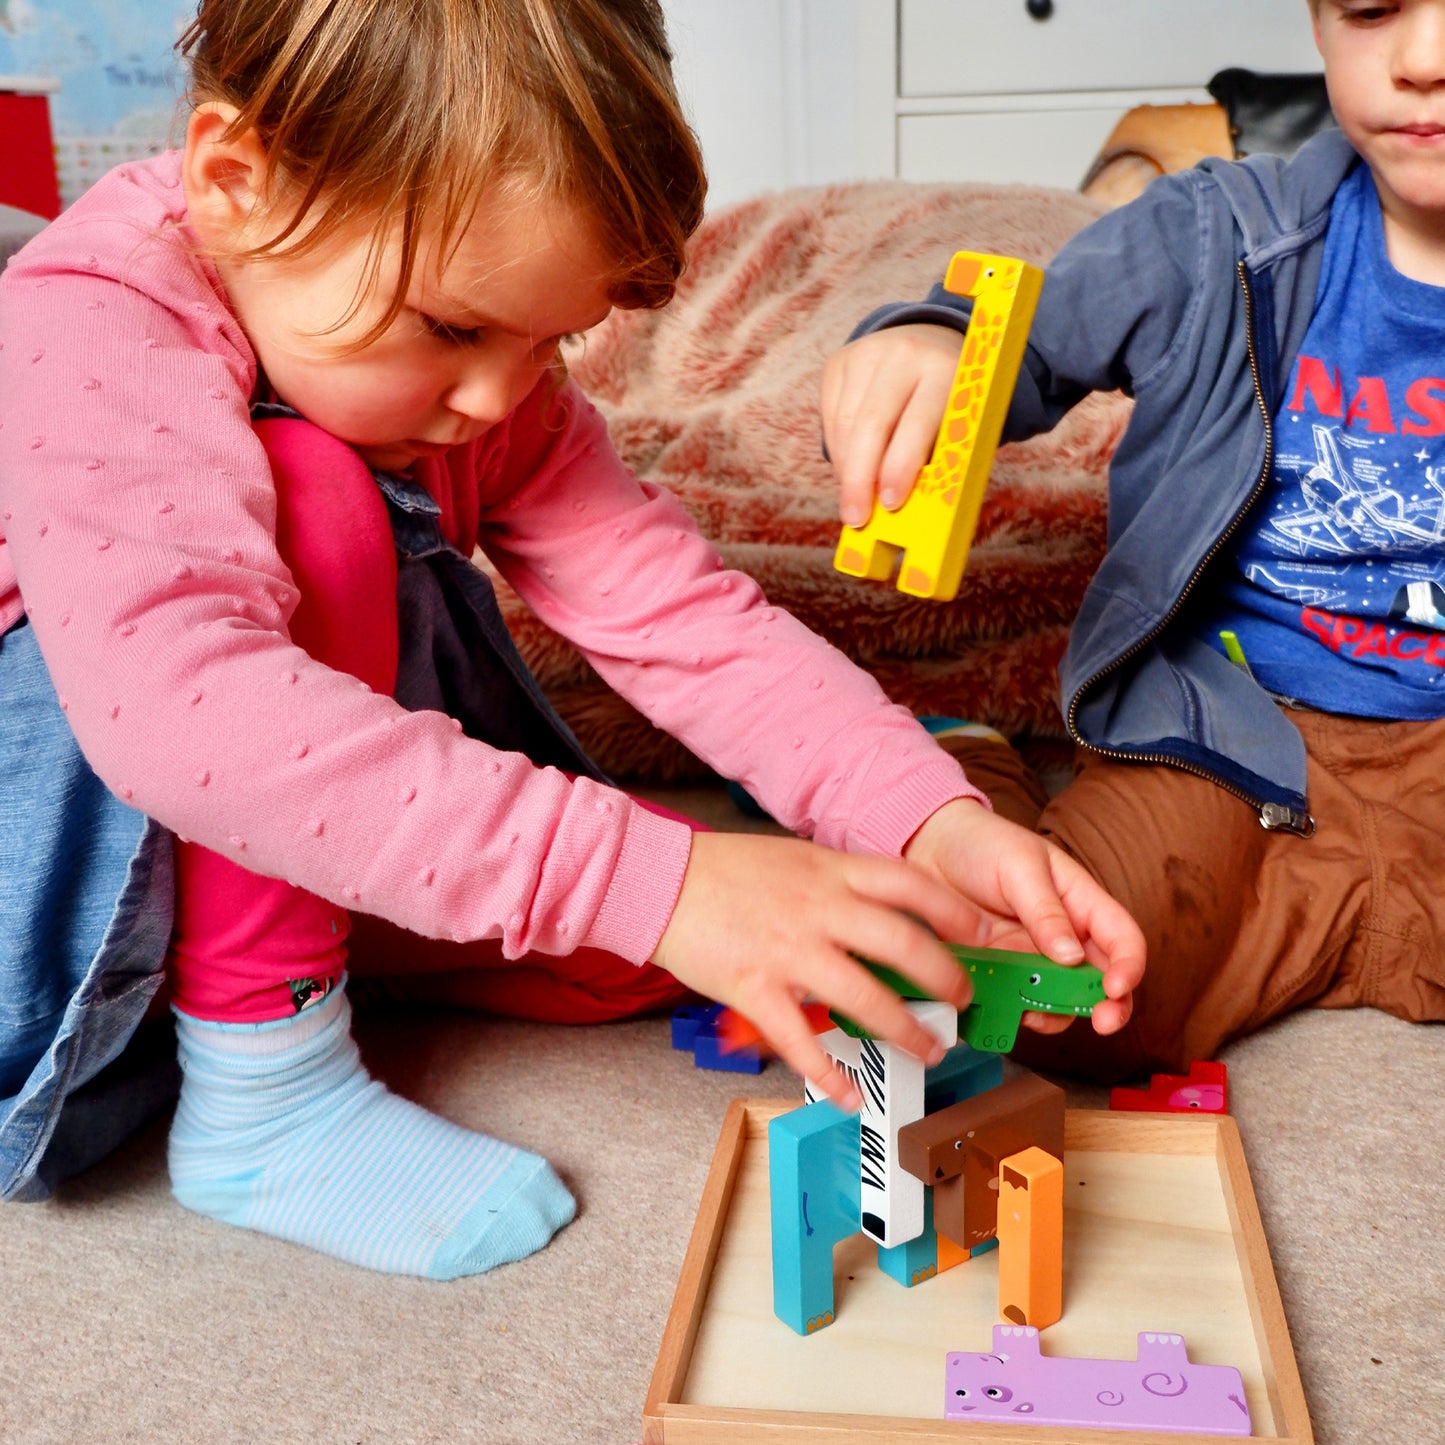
x=1277 y=827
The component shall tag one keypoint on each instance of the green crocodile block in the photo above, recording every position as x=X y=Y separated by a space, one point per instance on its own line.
x=1005 y=986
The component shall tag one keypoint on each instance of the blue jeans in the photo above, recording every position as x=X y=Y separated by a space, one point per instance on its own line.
x=85 y=917
x=87 y=884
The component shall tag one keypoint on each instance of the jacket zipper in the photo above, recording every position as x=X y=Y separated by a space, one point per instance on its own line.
x=1273 y=816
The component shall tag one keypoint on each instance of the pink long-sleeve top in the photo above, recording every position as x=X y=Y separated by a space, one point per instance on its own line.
x=139 y=528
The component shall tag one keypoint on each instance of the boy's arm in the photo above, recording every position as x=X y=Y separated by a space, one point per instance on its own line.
x=1116 y=302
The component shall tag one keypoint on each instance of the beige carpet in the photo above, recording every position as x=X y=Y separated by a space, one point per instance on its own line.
x=127 y=1319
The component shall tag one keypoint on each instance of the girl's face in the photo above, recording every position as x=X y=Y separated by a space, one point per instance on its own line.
x=477 y=329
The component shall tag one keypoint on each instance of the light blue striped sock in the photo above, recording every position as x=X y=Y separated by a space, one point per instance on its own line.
x=281 y=1129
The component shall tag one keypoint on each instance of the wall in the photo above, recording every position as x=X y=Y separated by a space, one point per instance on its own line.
x=771 y=88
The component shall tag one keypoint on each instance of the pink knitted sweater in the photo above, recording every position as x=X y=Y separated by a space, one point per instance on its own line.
x=138 y=518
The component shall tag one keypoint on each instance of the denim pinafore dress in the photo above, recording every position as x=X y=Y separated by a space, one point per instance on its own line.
x=87 y=883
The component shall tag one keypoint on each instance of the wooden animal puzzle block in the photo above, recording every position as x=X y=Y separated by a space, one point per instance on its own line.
x=695 y=1028
x=892 y=1085
x=1161 y=1390
x=958 y=1151
x=1031 y=1239
x=1006 y=985
x=1203 y=1090
x=813 y=1197
x=934 y=527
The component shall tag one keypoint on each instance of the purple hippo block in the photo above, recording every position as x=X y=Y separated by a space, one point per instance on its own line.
x=1161 y=1390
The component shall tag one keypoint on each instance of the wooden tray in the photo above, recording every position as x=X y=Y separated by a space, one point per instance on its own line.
x=1161 y=1233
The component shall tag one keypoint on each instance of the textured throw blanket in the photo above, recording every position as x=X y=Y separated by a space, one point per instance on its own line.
x=716 y=397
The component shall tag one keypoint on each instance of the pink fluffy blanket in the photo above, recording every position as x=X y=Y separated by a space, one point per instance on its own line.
x=716 y=397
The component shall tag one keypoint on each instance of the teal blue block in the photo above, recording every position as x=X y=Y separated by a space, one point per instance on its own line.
x=916 y=1259
x=814 y=1198
x=962 y=1073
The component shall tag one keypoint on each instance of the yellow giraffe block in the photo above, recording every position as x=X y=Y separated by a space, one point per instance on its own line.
x=933 y=529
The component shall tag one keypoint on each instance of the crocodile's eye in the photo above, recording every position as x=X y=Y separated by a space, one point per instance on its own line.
x=1036 y=978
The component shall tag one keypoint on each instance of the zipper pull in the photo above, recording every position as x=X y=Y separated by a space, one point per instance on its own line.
x=1277 y=818
x=1235 y=653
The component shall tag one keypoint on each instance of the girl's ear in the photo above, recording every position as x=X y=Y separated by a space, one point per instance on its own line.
x=224 y=179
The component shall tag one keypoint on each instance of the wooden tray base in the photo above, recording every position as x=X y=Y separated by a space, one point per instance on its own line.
x=1161 y=1232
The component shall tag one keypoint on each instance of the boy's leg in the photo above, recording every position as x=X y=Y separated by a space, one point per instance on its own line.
x=279 y=1127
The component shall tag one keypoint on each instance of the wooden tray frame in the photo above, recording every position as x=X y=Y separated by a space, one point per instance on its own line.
x=668 y=1420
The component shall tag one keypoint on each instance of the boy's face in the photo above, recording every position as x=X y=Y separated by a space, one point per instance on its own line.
x=1385 y=70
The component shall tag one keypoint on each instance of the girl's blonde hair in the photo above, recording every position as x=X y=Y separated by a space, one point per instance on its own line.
x=394 y=114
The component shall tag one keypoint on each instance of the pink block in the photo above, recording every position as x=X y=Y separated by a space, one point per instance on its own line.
x=1160 y=1390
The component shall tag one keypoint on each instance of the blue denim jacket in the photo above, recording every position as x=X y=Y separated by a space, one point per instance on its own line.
x=1193 y=300
x=87 y=884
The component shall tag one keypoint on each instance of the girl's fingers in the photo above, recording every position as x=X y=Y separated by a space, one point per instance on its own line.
x=1031 y=890
x=893 y=937
x=858 y=995
x=1046 y=1023
x=786 y=1029
x=1115 y=941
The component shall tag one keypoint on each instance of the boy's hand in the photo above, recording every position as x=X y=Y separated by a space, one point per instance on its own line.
x=883 y=398
x=764 y=923
x=1040 y=899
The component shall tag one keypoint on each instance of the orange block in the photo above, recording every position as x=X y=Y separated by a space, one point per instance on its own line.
x=1031 y=1238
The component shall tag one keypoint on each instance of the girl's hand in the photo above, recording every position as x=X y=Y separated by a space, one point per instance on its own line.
x=883 y=399
x=1040 y=899
x=764 y=923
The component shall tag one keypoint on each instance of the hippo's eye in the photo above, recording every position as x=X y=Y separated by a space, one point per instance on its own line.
x=1036 y=978
x=999 y=1392
x=962 y=1394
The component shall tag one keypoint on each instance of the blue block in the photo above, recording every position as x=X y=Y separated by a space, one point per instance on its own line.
x=708 y=1054
x=689 y=1020
x=962 y=1073
x=915 y=1260
x=814 y=1199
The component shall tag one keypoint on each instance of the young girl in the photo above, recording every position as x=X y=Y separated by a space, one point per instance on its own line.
x=261 y=399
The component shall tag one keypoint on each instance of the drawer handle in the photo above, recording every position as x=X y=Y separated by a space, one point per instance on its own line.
x=1040 y=9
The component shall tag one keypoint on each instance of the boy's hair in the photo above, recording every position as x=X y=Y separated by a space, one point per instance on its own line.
x=394 y=114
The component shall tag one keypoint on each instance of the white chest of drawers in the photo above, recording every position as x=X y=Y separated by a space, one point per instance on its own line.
x=980 y=90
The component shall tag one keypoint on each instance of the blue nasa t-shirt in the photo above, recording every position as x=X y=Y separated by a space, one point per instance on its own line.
x=1337 y=593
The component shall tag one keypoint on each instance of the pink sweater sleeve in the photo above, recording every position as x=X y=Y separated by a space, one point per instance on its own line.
x=139 y=520
x=138 y=514
x=616 y=566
